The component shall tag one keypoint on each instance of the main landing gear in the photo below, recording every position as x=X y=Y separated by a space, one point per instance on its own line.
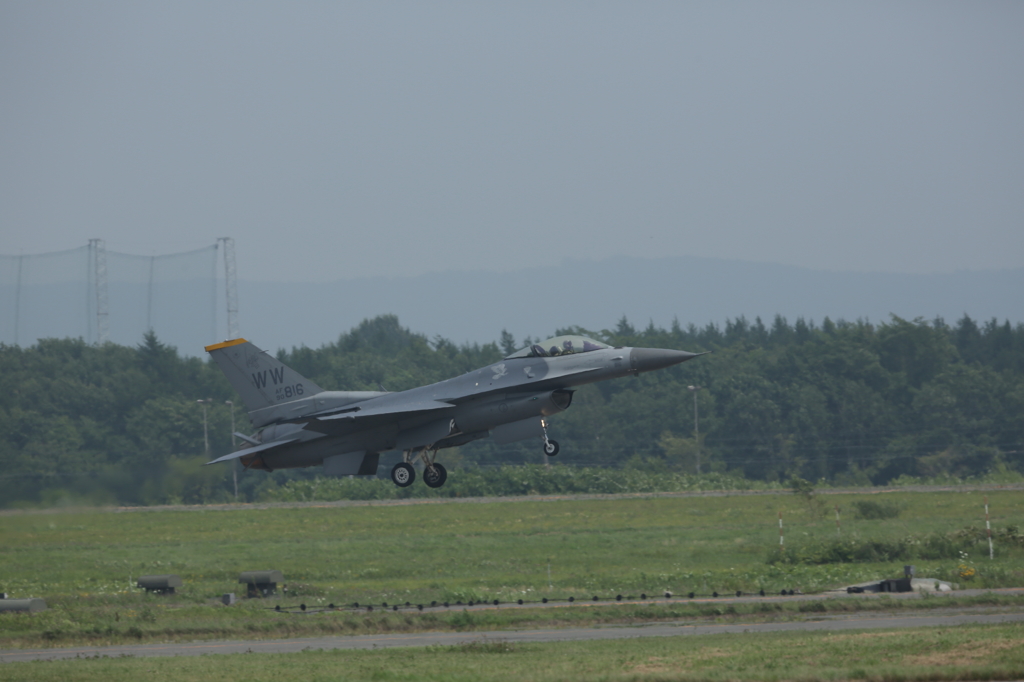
x=550 y=446
x=402 y=474
x=434 y=473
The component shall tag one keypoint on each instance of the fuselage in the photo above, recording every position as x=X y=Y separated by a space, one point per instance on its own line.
x=505 y=398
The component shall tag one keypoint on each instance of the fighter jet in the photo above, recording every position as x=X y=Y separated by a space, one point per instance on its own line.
x=301 y=425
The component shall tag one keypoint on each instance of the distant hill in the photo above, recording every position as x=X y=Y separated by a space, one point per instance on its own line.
x=476 y=306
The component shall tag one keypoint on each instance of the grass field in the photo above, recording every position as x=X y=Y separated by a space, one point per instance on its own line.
x=975 y=653
x=82 y=562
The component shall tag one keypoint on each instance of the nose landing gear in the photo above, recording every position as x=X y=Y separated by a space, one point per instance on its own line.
x=550 y=446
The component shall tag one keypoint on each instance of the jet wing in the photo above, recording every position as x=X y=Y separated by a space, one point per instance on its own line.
x=251 y=451
x=386 y=410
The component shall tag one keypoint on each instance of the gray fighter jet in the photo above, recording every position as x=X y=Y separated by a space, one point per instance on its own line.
x=300 y=424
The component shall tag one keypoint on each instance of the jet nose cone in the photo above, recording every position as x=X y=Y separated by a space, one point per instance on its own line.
x=649 y=359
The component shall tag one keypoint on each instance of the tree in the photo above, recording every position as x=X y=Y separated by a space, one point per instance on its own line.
x=507 y=343
x=914 y=349
x=681 y=453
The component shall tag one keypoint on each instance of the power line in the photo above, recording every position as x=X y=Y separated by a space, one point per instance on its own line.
x=98 y=250
x=230 y=285
x=124 y=295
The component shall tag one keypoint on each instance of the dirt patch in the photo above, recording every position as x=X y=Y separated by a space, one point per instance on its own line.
x=858 y=636
x=660 y=664
x=972 y=652
x=656 y=666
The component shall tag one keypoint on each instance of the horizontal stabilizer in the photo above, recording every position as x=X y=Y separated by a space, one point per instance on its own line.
x=404 y=408
x=251 y=451
x=247 y=439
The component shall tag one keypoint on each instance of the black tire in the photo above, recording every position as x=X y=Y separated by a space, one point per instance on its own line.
x=403 y=475
x=435 y=476
x=551 y=448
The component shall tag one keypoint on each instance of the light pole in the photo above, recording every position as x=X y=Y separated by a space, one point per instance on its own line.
x=234 y=462
x=696 y=425
x=206 y=432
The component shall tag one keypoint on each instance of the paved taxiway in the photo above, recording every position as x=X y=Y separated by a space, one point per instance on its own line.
x=827 y=622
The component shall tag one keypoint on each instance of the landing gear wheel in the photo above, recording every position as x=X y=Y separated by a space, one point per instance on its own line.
x=435 y=475
x=551 y=448
x=403 y=474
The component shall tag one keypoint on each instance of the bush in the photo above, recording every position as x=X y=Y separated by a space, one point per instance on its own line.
x=844 y=552
x=935 y=546
x=529 y=479
x=872 y=510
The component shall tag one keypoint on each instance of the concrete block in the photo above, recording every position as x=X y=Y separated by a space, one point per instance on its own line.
x=33 y=605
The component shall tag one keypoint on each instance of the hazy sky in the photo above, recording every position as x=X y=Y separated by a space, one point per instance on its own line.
x=334 y=140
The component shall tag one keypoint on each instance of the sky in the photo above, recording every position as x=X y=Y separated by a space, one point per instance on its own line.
x=342 y=140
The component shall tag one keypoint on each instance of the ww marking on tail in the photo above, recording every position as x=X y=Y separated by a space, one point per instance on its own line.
x=260 y=378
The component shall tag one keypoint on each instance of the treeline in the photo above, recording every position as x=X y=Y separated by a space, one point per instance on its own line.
x=846 y=402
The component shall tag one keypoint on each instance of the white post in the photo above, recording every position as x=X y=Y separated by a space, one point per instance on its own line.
x=234 y=462
x=206 y=433
x=696 y=425
x=782 y=544
x=988 y=531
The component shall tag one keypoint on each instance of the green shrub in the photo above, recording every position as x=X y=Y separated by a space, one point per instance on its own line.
x=528 y=479
x=844 y=552
x=872 y=510
x=934 y=546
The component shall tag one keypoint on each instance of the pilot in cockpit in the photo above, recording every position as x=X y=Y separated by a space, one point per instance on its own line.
x=560 y=345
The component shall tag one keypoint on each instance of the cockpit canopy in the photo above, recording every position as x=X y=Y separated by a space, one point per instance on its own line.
x=559 y=345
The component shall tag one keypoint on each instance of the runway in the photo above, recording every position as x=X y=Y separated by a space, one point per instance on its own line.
x=277 y=646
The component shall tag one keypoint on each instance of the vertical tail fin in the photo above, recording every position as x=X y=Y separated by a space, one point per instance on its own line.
x=260 y=379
